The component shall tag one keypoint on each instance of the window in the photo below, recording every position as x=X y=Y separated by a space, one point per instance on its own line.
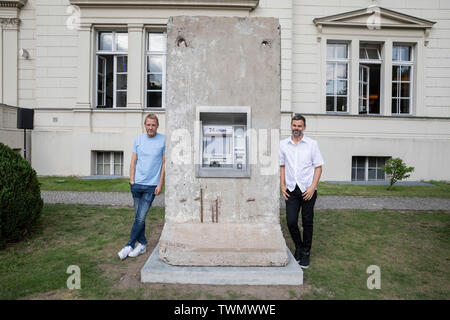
x=108 y=163
x=402 y=69
x=156 y=69
x=369 y=78
x=337 y=77
x=368 y=168
x=112 y=69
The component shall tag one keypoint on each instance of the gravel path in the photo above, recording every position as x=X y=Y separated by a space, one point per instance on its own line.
x=323 y=202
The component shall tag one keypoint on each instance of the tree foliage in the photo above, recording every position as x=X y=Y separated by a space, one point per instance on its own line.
x=20 y=196
x=396 y=170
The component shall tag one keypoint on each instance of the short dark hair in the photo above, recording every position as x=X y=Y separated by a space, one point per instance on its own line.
x=298 y=117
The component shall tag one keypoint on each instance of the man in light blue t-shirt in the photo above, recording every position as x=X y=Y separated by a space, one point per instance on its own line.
x=146 y=180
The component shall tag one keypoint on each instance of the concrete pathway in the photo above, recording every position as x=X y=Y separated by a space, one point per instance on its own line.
x=323 y=202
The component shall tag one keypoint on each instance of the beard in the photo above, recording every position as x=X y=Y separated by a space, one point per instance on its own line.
x=297 y=133
x=151 y=134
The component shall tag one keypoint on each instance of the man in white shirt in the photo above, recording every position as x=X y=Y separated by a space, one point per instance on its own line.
x=300 y=169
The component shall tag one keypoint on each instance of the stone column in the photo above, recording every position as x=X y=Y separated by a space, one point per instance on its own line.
x=387 y=79
x=135 y=66
x=10 y=54
x=9 y=50
x=85 y=52
x=353 y=76
x=1 y=63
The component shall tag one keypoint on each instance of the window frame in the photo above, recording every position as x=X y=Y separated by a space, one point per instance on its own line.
x=103 y=75
x=366 y=100
x=367 y=45
x=112 y=162
x=399 y=82
x=413 y=39
x=367 y=167
x=148 y=53
x=115 y=54
x=336 y=61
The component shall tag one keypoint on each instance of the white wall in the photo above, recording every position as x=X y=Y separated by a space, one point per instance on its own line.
x=27 y=67
x=421 y=142
x=306 y=48
x=281 y=9
x=49 y=80
x=9 y=134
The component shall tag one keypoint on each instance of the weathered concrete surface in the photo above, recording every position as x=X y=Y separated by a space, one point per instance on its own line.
x=204 y=244
x=156 y=271
x=216 y=61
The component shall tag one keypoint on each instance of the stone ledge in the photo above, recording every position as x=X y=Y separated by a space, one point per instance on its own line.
x=156 y=271
x=227 y=4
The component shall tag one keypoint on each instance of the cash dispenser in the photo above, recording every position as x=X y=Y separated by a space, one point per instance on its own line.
x=223 y=142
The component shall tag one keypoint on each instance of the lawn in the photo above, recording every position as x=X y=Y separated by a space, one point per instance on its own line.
x=440 y=189
x=54 y=183
x=412 y=250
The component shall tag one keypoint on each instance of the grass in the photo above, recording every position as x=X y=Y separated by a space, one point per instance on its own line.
x=55 y=183
x=440 y=189
x=412 y=250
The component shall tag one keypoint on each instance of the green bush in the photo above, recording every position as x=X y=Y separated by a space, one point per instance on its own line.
x=396 y=170
x=20 y=196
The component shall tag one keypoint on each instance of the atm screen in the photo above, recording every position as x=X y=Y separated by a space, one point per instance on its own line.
x=223 y=146
x=217 y=145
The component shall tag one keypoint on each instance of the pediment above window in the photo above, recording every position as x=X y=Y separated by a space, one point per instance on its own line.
x=374 y=17
x=224 y=4
x=9 y=13
x=12 y=4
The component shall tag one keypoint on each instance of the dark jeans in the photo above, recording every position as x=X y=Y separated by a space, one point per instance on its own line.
x=142 y=198
x=294 y=203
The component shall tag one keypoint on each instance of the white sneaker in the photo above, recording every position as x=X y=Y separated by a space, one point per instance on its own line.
x=124 y=252
x=140 y=249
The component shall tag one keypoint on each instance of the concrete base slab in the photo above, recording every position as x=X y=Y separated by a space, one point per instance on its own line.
x=223 y=244
x=156 y=271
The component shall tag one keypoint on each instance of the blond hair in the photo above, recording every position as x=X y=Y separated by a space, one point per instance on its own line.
x=151 y=116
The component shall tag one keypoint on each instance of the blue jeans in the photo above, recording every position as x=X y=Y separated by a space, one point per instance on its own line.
x=142 y=199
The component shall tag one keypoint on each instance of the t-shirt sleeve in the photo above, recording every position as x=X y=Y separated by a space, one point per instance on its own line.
x=135 y=144
x=317 y=156
x=281 y=155
x=164 y=145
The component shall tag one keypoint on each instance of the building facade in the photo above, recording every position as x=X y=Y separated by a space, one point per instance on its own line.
x=372 y=79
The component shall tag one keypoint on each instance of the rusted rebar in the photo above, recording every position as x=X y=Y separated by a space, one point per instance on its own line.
x=217 y=210
x=201 y=205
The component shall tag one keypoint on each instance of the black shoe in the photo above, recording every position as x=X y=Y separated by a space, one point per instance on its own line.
x=297 y=254
x=304 y=260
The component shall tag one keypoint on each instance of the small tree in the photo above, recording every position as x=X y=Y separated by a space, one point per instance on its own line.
x=397 y=170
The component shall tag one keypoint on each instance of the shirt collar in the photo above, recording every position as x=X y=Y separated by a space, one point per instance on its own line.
x=305 y=139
